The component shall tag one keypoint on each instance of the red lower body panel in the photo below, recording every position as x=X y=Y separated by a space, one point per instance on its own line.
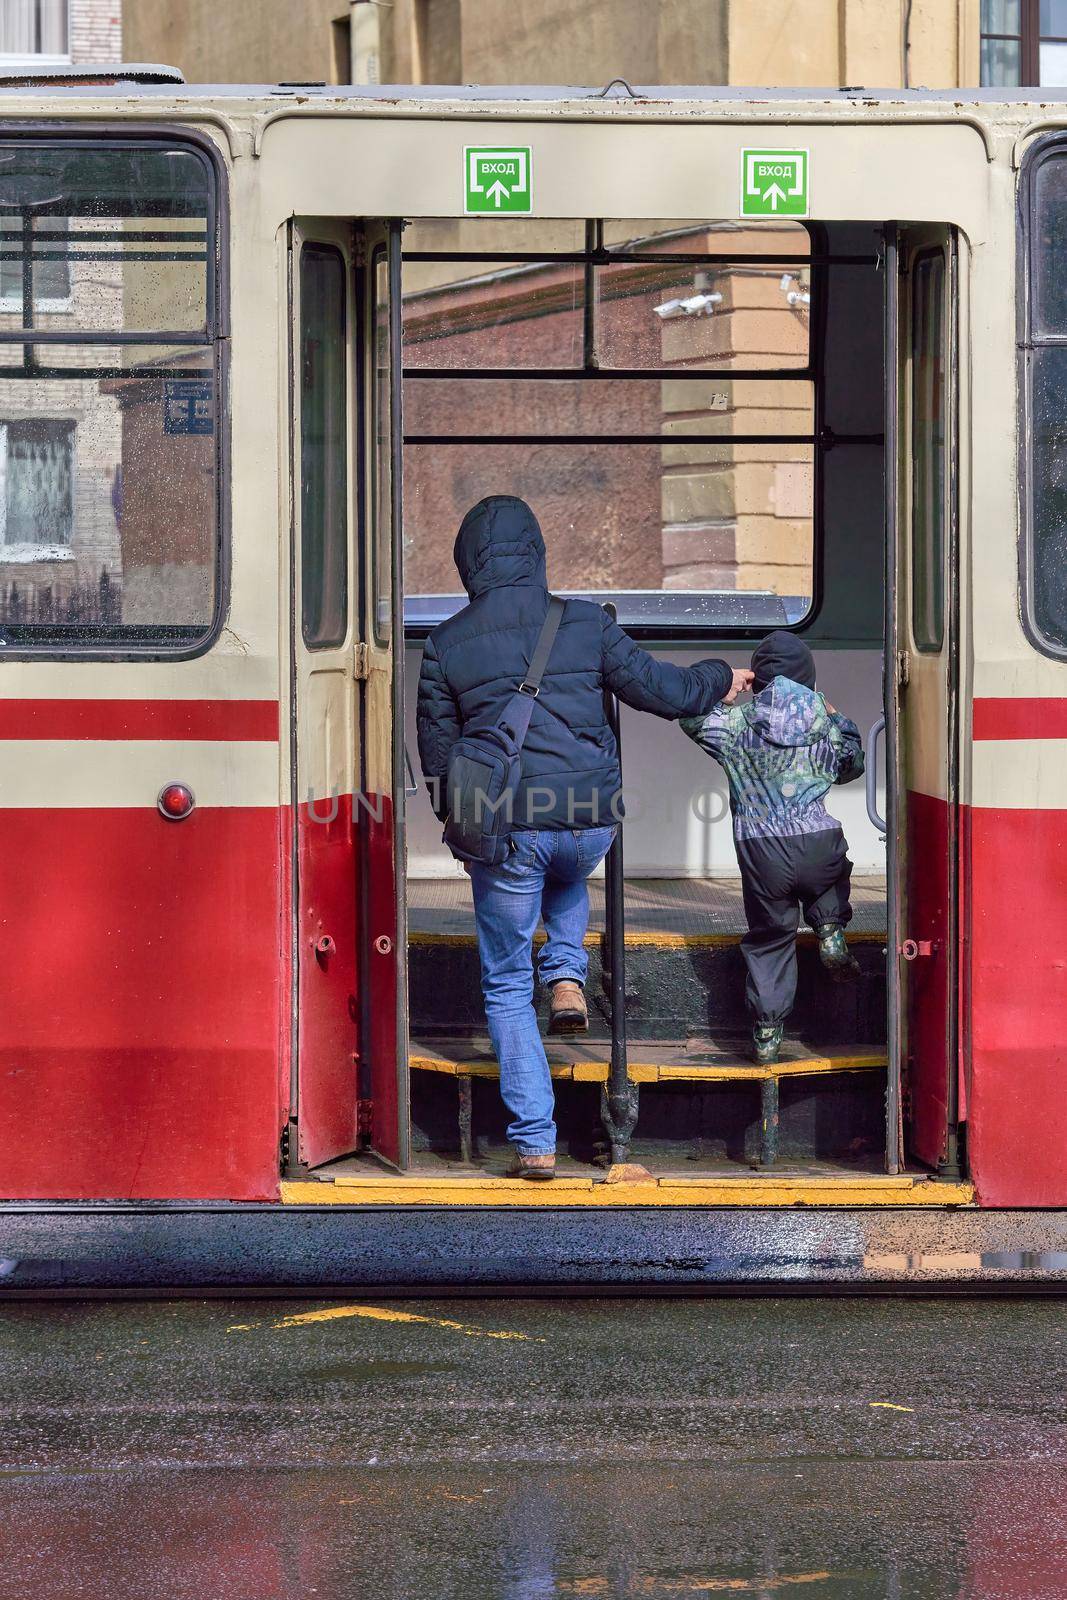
x=329 y=998
x=928 y=978
x=146 y=974
x=1017 y=1101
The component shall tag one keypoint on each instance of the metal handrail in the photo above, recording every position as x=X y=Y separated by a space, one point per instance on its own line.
x=870 y=751
x=619 y=1097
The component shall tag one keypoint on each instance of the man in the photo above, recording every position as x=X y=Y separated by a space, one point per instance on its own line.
x=568 y=802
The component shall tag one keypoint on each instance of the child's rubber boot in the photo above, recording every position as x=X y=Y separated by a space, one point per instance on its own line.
x=835 y=954
x=767 y=1042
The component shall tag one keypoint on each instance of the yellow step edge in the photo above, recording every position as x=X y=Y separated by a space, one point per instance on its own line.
x=656 y=1072
x=641 y=940
x=733 y=1193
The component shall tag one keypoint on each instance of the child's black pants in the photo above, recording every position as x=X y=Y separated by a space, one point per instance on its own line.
x=778 y=877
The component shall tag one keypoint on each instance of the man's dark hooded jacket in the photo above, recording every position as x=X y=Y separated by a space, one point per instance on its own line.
x=476 y=660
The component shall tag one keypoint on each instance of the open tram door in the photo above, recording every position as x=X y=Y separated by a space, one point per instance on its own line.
x=922 y=696
x=346 y=854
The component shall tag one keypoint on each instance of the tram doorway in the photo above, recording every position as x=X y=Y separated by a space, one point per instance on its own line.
x=701 y=416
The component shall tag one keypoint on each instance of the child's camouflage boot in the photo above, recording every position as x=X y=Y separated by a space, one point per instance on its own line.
x=835 y=954
x=767 y=1042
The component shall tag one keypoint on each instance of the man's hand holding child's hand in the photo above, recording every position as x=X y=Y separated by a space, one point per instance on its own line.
x=742 y=681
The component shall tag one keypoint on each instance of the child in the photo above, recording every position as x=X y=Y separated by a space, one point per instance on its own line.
x=781 y=752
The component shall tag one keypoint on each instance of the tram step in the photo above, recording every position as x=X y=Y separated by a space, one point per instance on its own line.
x=686 y=1061
x=675 y=984
x=698 y=1097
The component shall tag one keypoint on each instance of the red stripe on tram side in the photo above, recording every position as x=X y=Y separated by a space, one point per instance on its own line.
x=217 y=721
x=1020 y=719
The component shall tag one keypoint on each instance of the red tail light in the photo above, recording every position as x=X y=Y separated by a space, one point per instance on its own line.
x=175 y=801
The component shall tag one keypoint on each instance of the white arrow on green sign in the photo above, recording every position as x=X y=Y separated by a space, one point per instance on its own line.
x=498 y=181
x=774 y=183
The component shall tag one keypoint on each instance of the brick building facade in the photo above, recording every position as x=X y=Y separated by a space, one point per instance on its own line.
x=95 y=31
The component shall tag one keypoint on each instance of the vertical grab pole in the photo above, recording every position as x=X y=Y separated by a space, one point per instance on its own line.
x=619 y=1096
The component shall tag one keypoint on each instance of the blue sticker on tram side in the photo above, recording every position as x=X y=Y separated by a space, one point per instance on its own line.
x=188 y=406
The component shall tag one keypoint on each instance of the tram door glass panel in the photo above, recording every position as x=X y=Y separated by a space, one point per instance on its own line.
x=327 y=768
x=110 y=366
x=928 y=453
x=324 y=449
x=381 y=455
x=649 y=388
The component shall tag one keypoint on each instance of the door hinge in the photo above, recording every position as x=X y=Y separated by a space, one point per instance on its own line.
x=364 y=1117
x=913 y=949
x=359 y=247
x=903 y=669
x=360 y=661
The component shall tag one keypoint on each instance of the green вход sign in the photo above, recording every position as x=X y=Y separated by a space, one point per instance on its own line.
x=774 y=183
x=498 y=180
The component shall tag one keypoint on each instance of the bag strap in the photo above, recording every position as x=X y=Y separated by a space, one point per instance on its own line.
x=531 y=684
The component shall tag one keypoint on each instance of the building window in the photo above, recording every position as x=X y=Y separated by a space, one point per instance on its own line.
x=49 y=262
x=37 y=469
x=1024 y=43
x=32 y=31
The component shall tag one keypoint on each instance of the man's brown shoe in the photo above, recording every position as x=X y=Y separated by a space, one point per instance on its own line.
x=537 y=1168
x=567 y=1009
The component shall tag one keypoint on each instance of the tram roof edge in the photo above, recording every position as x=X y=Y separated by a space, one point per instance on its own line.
x=155 y=81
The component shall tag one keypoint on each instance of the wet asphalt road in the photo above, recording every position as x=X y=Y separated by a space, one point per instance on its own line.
x=525 y=1449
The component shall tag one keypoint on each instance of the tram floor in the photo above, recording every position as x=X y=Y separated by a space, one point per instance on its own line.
x=684 y=907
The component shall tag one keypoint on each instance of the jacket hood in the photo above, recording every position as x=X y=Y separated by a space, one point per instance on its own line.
x=782 y=655
x=499 y=544
x=788 y=714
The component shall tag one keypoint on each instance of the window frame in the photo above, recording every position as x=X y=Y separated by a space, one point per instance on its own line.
x=105 y=135
x=676 y=630
x=1029 y=39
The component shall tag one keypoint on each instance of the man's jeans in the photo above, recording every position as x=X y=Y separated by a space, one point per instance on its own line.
x=543 y=878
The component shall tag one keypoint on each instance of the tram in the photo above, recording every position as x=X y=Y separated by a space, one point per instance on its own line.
x=757 y=360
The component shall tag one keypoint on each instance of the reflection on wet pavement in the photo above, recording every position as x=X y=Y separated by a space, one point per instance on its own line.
x=529 y=1449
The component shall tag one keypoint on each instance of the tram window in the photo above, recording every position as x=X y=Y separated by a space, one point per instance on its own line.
x=669 y=473
x=675 y=407
x=109 y=501
x=686 y=539
x=323 y=447
x=484 y=307
x=694 y=316
x=1049 y=247
x=113 y=238
x=1048 y=512
x=928 y=451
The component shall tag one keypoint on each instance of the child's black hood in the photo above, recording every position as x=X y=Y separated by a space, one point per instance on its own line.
x=782 y=655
